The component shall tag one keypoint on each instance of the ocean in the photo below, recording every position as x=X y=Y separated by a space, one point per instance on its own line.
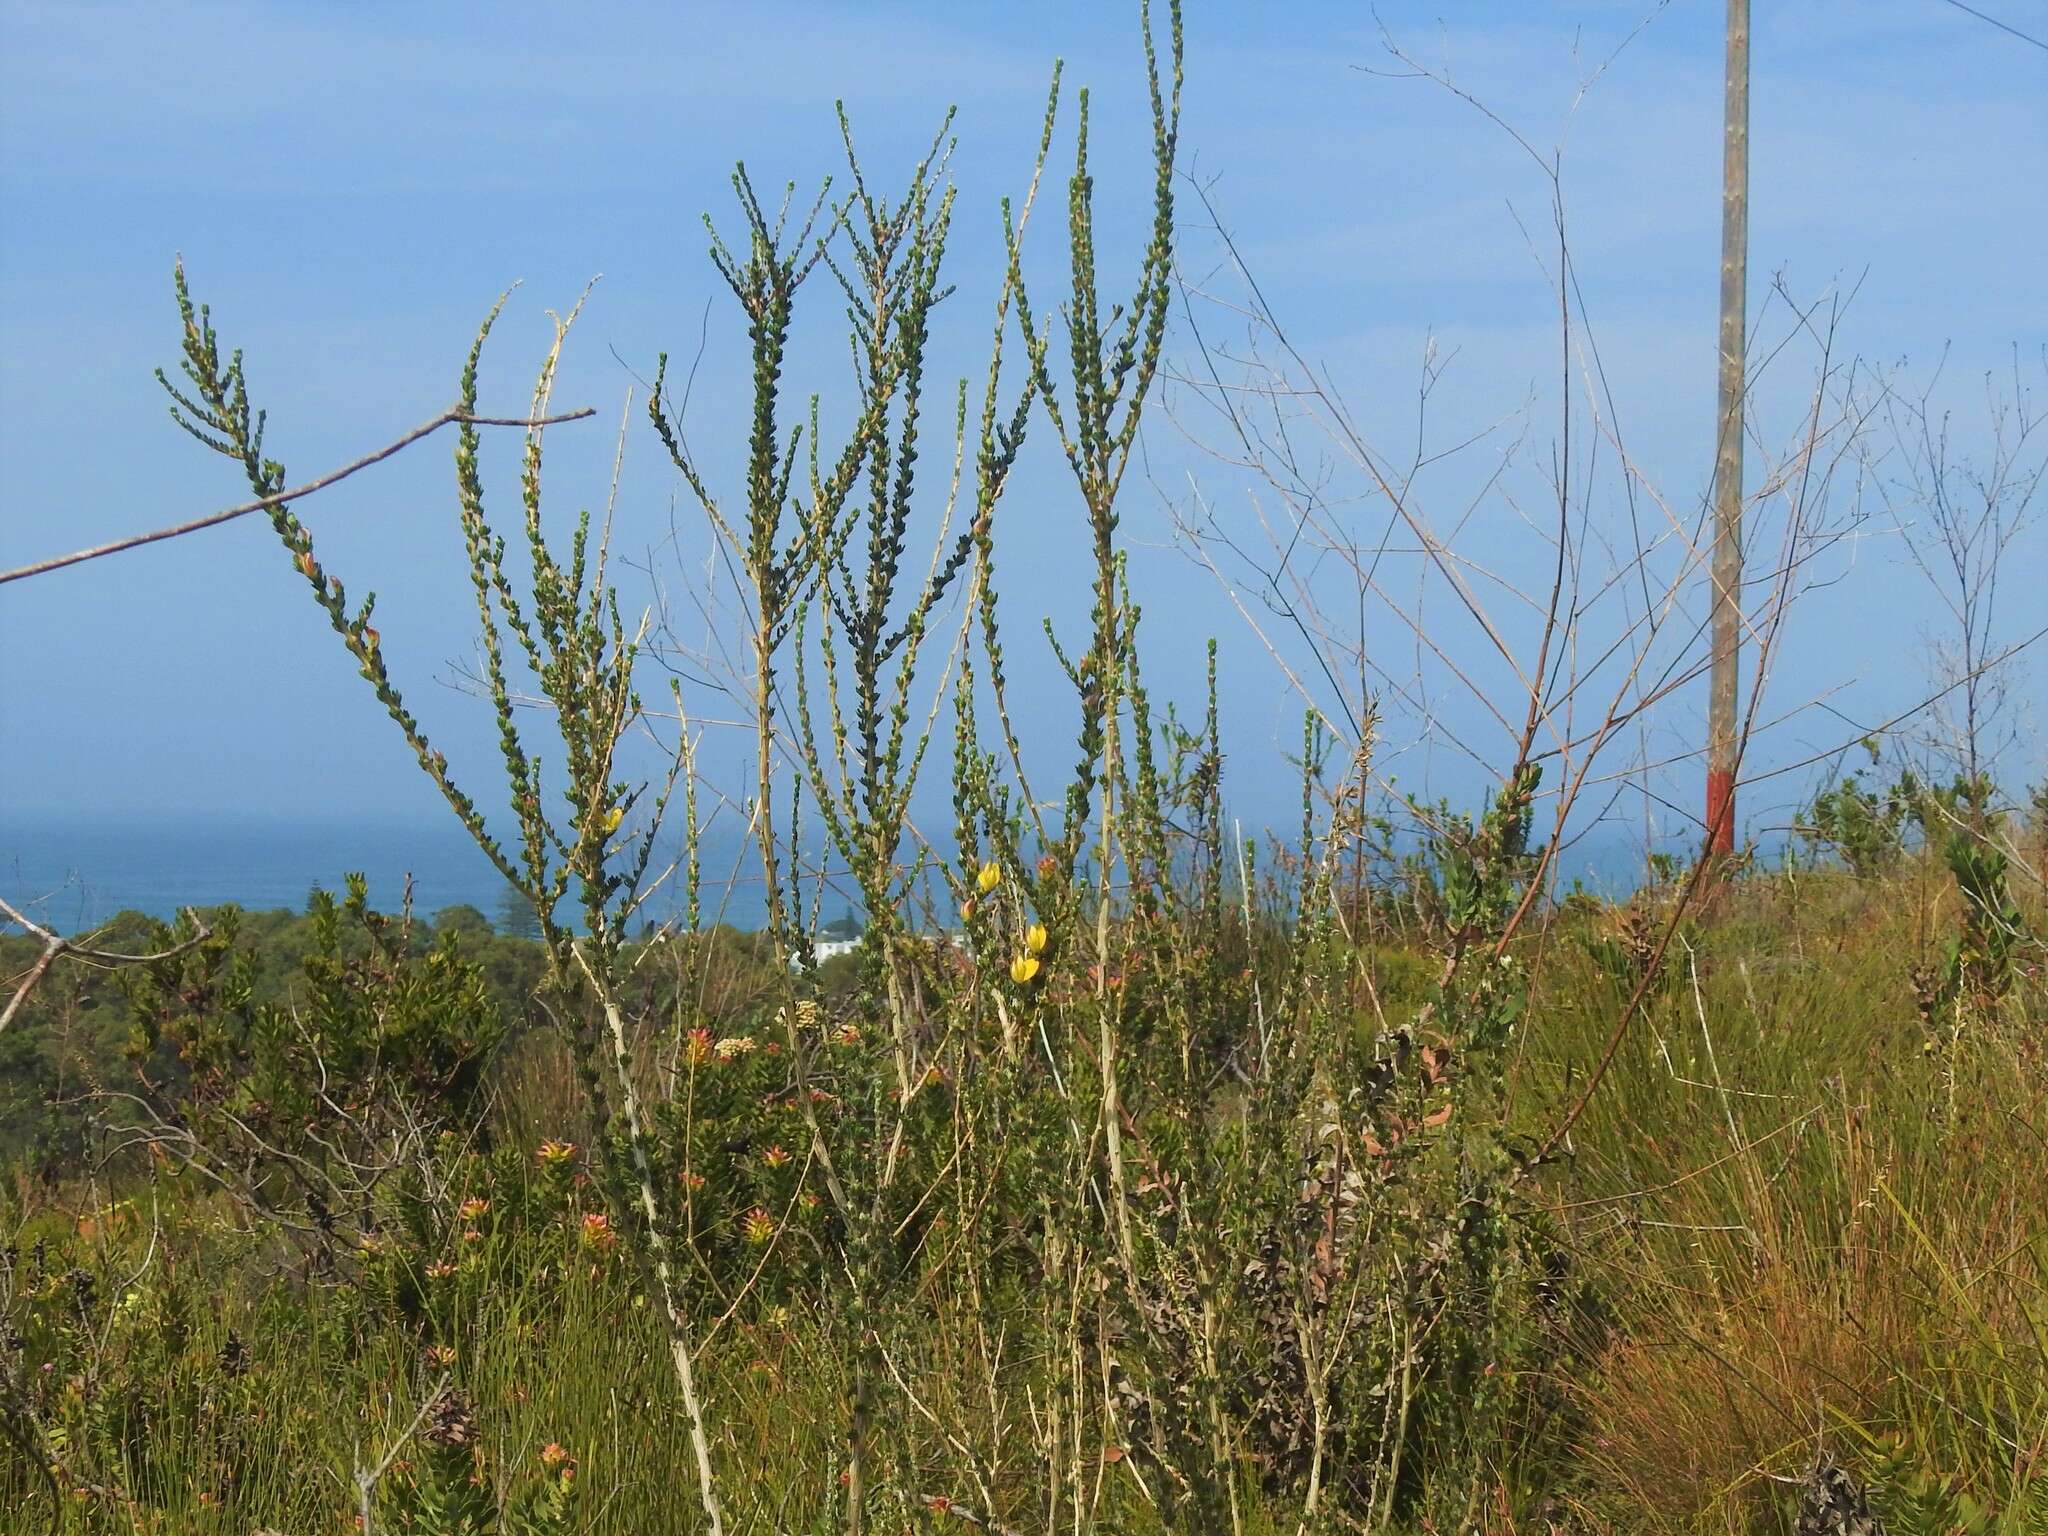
x=73 y=875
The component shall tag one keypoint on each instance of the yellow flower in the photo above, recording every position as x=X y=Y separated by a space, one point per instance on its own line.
x=612 y=819
x=1034 y=939
x=990 y=877
x=1023 y=968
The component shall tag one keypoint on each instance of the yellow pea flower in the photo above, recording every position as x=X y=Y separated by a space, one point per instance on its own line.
x=1023 y=968
x=1034 y=939
x=990 y=877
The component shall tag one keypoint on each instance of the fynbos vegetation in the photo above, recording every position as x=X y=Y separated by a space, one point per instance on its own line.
x=1132 y=1174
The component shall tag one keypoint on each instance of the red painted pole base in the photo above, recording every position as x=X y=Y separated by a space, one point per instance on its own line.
x=1720 y=810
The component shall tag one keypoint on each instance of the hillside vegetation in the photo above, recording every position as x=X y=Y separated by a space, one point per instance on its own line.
x=1805 y=1210
x=1133 y=1174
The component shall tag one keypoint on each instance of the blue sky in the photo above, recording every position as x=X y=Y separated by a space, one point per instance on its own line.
x=351 y=186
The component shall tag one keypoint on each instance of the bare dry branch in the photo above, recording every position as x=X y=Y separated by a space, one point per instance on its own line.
x=295 y=493
x=55 y=945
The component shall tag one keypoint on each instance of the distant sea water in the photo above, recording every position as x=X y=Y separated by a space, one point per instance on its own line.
x=72 y=875
x=75 y=874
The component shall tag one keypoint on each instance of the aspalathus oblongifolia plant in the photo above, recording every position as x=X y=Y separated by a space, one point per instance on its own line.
x=1113 y=359
x=777 y=567
x=870 y=640
x=1024 y=913
x=570 y=635
x=863 y=781
x=788 y=538
x=1112 y=362
x=862 y=773
x=775 y=564
x=855 y=743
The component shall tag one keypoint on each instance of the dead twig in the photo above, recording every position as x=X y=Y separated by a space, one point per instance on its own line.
x=56 y=945
x=450 y=417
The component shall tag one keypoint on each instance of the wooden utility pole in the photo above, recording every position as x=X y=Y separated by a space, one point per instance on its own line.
x=1727 y=558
